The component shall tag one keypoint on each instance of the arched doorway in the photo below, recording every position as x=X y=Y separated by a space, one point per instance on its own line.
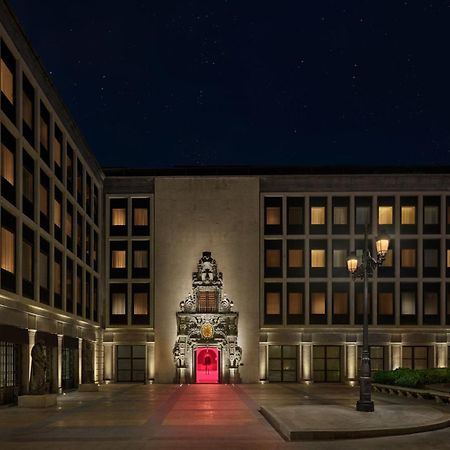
x=207 y=365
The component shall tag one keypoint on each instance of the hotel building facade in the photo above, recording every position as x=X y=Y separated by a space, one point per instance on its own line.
x=202 y=275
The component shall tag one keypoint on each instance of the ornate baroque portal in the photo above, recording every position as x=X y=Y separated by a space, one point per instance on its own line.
x=206 y=349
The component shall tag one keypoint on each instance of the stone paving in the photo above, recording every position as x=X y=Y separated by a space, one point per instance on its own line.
x=125 y=416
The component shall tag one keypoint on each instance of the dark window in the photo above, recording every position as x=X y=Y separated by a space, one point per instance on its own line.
x=88 y=195
x=359 y=302
x=130 y=363
x=96 y=205
x=88 y=295
x=44 y=272
x=283 y=363
x=341 y=215
x=69 y=168
x=318 y=303
x=95 y=300
x=80 y=236
x=57 y=280
x=69 y=285
x=80 y=183
x=431 y=303
x=8 y=165
x=79 y=286
x=408 y=304
x=8 y=82
x=57 y=215
x=340 y=255
x=415 y=357
x=363 y=214
x=44 y=201
x=295 y=215
x=431 y=215
x=27 y=262
x=28 y=110
x=8 y=251
x=377 y=358
x=58 y=151
x=327 y=363
x=44 y=133
x=408 y=258
x=386 y=304
x=28 y=185
x=341 y=308
x=431 y=258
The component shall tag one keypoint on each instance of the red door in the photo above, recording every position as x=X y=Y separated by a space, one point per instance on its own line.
x=207 y=365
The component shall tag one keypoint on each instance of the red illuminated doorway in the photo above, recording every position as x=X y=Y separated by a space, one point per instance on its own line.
x=207 y=365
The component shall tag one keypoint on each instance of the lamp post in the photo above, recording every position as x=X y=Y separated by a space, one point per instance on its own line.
x=363 y=270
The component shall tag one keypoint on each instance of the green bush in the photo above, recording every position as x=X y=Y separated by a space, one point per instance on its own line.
x=412 y=378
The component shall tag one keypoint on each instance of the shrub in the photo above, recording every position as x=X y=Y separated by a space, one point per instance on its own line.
x=412 y=378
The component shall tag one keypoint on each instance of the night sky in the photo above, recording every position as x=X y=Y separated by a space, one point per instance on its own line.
x=161 y=83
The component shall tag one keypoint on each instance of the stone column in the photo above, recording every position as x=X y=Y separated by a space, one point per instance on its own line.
x=396 y=356
x=307 y=363
x=263 y=351
x=31 y=342
x=441 y=354
x=60 y=362
x=108 y=361
x=150 y=361
x=352 y=363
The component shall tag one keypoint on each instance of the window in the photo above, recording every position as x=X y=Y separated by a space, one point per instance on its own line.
x=385 y=215
x=140 y=217
x=207 y=301
x=43 y=199
x=140 y=303
x=140 y=259
x=28 y=187
x=27 y=108
x=389 y=260
x=448 y=258
x=295 y=258
x=57 y=280
x=340 y=303
x=340 y=215
x=431 y=215
x=362 y=215
x=408 y=303
x=44 y=128
x=57 y=213
x=431 y=257
x=295 y=303
x=318 y=303
x=282 y=363
x=430 y=303
x=27 y=261
x=118 y=259
x=408 y=257
x=43 y=269
x=273 y=258
x=318 y=258
x=69 y=222
x=57 y=149
x=8 y=165
x=118 y=303
x=118 y=217
x=327 y=363
x=340 y=258
x=414 y=357
x=295 y=215
x=8 y=250
x=6 y=81
x=273 y=303
x=408 y=215
x=273 y=215
x=317 y=215
x=385 y=303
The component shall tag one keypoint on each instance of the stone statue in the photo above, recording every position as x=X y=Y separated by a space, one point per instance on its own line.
x=38 y=378
x=87 y=361
x=235 y=358
x=178 y=356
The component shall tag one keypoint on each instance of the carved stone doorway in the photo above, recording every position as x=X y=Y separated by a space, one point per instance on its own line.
x=206 y=321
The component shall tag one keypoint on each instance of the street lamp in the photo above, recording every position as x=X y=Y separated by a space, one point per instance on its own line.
x=363 y=269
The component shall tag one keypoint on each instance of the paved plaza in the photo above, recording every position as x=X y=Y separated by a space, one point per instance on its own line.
x=126 y=416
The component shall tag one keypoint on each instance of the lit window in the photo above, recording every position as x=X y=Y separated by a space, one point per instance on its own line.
x=295 y=303
x=318 y=215
x=318 y=303
x=448 y=258
x=295 y=215
x=118 y=217
x=408 y=256
x=140 y=217
x=8 y=250
x=118 y=306
x=430 y=304
x=431 y=215
x=340 y=303
x=273 y=216
x=385 y=215
x=273 y=303
x=408 y=215
x=340 y=215
x=273 y=258
x=27 y=110
x=69 y=224
x=118 y=259
x=295 y=258
x=43 y=200
x=340 y=258
x=8 y=165
x=140 y=259
x=408 y=307
x=140 y=304
x=57 y=213
x=385 y=304
x=389 y=260
x=57 y=151
x=6 y=81
x=317 y=258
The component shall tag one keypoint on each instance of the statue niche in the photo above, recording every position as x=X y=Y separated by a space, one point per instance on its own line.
x=38 y=379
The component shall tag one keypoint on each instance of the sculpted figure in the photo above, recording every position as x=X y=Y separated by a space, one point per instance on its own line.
x=87 y=368
x=38 y=378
